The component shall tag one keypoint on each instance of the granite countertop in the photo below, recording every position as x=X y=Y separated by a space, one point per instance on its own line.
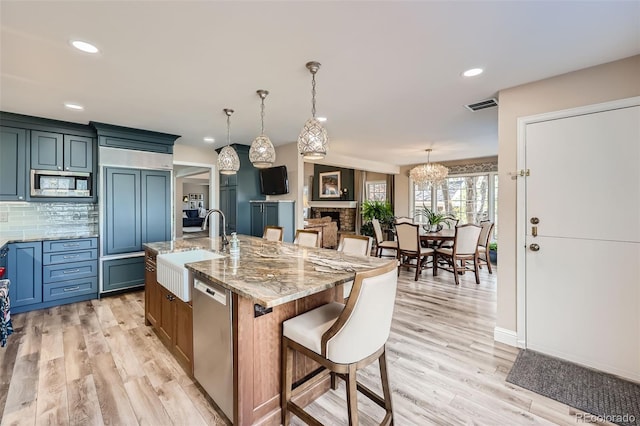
x=272 y=273
x=40 y=237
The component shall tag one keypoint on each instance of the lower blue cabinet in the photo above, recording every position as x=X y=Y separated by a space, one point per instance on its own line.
x=118 y=274
x=50 y=273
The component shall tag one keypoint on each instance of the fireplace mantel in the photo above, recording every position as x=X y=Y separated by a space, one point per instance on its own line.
x=333 y=204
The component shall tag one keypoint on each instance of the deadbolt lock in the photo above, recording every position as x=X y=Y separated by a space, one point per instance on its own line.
x=534 y=221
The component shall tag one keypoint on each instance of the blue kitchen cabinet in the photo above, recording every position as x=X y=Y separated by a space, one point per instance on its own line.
x=13 y=165
x=119 y=274
x=24 y=269
x=138 y=208
x=273 y=213
x=55 y=151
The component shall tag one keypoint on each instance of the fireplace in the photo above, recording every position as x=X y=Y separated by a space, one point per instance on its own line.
x=345 y=217
x=335 y=217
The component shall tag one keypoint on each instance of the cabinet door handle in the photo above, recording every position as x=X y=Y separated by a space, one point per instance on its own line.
x=59 y=168
x=71 y=288
x=71 y=271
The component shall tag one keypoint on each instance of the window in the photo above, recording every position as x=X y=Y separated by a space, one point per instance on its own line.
x=376 y=190
x=470 y=198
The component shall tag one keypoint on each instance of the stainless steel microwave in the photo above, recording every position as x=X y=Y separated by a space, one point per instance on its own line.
x=51 y=183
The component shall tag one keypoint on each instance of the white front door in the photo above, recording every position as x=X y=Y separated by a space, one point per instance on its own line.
x=582 y=257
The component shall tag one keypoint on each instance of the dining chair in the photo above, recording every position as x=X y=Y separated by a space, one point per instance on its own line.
x=343 y=339
x=483 y=244
x=409 y=248
x=449 y=223
x=465 y=248
x=381 y=243
x=404 y=219
x=273 y=233
x=353 y=244
x=307 y=238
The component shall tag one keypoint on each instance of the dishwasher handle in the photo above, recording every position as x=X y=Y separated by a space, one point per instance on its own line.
x=216 y=293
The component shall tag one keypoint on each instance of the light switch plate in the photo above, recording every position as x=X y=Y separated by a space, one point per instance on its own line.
x=4 y=216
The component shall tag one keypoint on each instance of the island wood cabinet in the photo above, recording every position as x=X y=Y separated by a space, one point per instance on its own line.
x=170 y=317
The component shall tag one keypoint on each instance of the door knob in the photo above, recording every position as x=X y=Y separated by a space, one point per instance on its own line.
x=534 y=247
x=534 y=220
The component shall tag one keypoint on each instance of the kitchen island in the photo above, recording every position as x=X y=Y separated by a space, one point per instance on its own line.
x=269 y=283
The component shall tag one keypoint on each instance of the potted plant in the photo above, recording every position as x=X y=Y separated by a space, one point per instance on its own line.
x=435 y=220
x=380 y=210
x=493 y=252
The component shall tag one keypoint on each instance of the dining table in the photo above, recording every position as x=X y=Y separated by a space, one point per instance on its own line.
x=437 y=238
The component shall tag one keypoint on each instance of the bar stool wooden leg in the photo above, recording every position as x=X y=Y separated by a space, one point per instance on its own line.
x=352 y=395
x=287 y=378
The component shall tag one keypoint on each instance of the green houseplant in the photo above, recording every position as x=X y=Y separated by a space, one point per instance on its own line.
x=435 y=219
x=380 y=210
x=493 y=252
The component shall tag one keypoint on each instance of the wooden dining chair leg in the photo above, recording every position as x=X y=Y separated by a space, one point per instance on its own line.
x=352 y=395
x=476 y=269
x=435 y=264
x=455 y=272
x=488 y=261
x=386 y=388
x=334 y=381
x=287 y=378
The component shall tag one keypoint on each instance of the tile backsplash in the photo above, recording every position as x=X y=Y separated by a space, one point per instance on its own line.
x=24 y=220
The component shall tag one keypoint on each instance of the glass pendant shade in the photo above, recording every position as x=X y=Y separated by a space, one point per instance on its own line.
x=262 y=154
x=313 y=140
x=428 y=173
x=228 y=161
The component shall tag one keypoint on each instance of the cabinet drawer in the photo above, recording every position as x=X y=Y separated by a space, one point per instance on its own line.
x=70 y=256
x=62 y=290
x=69 y=245
x=69 y=271
x=119 y=274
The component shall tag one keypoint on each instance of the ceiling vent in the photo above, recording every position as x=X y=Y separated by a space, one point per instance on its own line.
x=487 y=103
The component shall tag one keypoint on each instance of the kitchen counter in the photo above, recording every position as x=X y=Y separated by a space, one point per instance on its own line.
x=40 y=237
x=271 y=273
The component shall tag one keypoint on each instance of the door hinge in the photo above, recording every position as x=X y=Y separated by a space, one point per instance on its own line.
x=520 y=173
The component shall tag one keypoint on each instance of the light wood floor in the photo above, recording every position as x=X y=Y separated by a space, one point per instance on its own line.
x=97 y=363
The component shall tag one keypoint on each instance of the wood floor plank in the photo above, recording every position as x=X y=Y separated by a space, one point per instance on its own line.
x=125 y=360
x=84 y=408
x=146 y=403
x=23 y=390
x=178 y=405
x=113 y=398
x=76 y=359
x=52 y=393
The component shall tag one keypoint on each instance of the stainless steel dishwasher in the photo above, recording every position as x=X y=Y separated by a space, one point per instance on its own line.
x=212 y=343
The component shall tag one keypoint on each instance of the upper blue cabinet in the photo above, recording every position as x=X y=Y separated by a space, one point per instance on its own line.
x=13 y=165
x=56 y=151
x=113 y=136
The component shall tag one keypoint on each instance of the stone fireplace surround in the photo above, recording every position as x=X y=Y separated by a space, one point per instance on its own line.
x=347 y=221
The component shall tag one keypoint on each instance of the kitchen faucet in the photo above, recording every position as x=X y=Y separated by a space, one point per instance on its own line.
x=224 y=224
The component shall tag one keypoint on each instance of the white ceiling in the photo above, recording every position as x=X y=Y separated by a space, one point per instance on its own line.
x=390 y=82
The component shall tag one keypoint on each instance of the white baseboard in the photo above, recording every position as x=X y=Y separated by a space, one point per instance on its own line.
x=508 y=337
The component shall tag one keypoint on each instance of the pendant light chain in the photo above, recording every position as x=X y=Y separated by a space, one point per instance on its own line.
x=313 y=94
x=262 y=115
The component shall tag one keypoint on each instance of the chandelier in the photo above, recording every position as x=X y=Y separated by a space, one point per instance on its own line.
x=262 y=154
x=228 y=161
x=313 y=139
x=428 y=173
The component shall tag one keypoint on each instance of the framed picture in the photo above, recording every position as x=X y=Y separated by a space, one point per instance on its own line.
x=329 y=186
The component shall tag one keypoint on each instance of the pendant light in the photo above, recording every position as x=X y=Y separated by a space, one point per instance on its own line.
x=428 y=173
x=228 y=161
x=262 y=154
x=313 y=139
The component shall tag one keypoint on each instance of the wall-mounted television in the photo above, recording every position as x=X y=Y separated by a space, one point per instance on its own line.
x=274 y=181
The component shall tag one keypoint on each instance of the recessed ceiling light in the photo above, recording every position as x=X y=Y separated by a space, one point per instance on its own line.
x=75 y=107
x=209 y=139
x=84 y=46
x=472 y=72
x=322 y=119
